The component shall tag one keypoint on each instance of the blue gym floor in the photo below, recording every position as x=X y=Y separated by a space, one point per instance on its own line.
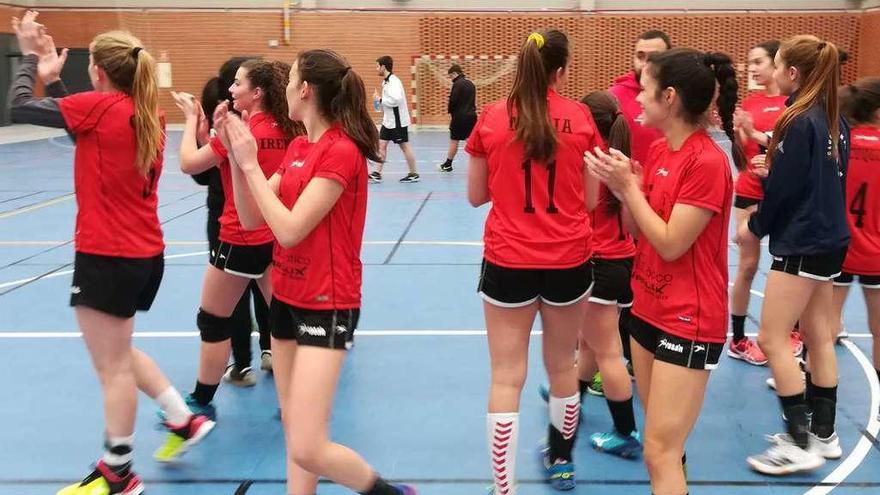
x=412 y=398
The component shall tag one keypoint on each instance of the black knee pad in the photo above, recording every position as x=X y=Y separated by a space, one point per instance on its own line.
x=212 y=328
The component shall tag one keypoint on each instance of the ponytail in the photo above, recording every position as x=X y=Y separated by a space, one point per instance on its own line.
x=132 y=70
x=540 y=57
x=350 y=108
x=818 y=63
x=728 y=89
x=613 y=128
x=272 y=78
x=147 y=127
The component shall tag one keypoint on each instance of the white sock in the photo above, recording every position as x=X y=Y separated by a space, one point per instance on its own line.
x=176 y=410
x=565 y=414
x=118 y=451
x=503 y=431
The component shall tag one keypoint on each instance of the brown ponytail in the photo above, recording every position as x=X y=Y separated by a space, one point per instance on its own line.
x=860 y=100
x=818 y=63
x=132 y=70
x=612 y=127
x=272 y=77
x=541 y=56
x=342 y=97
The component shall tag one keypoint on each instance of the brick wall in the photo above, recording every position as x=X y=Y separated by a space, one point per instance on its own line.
x=196 y=43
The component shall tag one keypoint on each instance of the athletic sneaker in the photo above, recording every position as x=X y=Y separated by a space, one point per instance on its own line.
x=747 y=350
x=628 y=447
x=194 y=407
x=405 y=489
x=785 y=457
x=266 y=360
x=102 y=481
x=375 y=177
x=842 y=335
x=180 y=439
x=560 y=474
x=409 y=178
x=595 y=386
x=828 y=448
x=240 y=377
x=797 y=344
x=443 y=167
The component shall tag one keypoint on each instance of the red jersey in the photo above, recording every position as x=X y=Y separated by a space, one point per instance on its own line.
x=324 y=270
x=687 y=297
x=539 y=216
x=863 y=202
x=116 y=203
x=626 y=88
x=271 y=148
x=611 y=240
x=765 y=111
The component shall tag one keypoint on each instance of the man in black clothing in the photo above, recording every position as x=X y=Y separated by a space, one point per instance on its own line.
x=463 y=110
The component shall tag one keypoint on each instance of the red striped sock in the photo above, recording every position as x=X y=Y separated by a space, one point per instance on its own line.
x=503 y=431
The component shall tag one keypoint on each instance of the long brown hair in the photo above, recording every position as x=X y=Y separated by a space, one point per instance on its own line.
x=132 y=70
x=542 y=54
x=342 y=97
x=272 y=77
x=612 y=127
x=860 y=100
x=818 y=64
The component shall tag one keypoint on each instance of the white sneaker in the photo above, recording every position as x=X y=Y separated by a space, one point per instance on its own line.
x=828 y=448
x=784 y=457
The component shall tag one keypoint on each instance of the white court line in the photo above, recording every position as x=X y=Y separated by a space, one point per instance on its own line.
x=863 y=448
x=37 y=206
x=68 y=272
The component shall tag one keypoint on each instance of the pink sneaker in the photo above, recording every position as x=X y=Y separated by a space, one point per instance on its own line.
x=797 y=345
x=748 y=351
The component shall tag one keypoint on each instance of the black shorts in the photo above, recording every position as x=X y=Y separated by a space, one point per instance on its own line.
x=329 y=329
x=117 y=286
x=461 y=126
x=398 y=135
x=518 y=287
x=675 y=350
x=823 y=267
x=866 y=281
x=744 y=203
x=612 y=282
x=243 y=261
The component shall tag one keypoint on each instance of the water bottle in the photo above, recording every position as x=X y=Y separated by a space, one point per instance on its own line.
x=377 y=104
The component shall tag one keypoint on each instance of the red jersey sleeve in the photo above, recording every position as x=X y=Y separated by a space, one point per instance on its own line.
x=82 y=111
x=341 y=162
x=703 y=183
x=218 y=148
x=474 y=146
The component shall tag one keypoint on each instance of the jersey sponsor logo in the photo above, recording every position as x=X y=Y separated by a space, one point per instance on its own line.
x=312 y=330
x=859 y=137
x=297 y=163
x=341 y=329
x=671 y=346
x=653 y=282
x=663 y=172
x=771 y=109
x=699 y=348
x=222 y=256
x=75 y=290
x=686 y=319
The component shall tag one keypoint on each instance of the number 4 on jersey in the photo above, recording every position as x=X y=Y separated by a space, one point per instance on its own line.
x=857 y=205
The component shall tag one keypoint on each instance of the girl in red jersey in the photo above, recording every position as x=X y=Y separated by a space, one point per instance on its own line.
x=526 y=160
x=860 y=103
x=679 y=315
x=315 y=205
x=119 y=259
x=604 y=326
x=243 y=255
x=758 y=115
x=803 y=212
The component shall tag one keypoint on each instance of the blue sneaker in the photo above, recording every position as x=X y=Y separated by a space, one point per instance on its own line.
x=405 y=489
x=560 y=474
x=197 y=409
x=628 y=447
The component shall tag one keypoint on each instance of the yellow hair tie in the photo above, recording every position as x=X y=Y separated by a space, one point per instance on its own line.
x=538 y=39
